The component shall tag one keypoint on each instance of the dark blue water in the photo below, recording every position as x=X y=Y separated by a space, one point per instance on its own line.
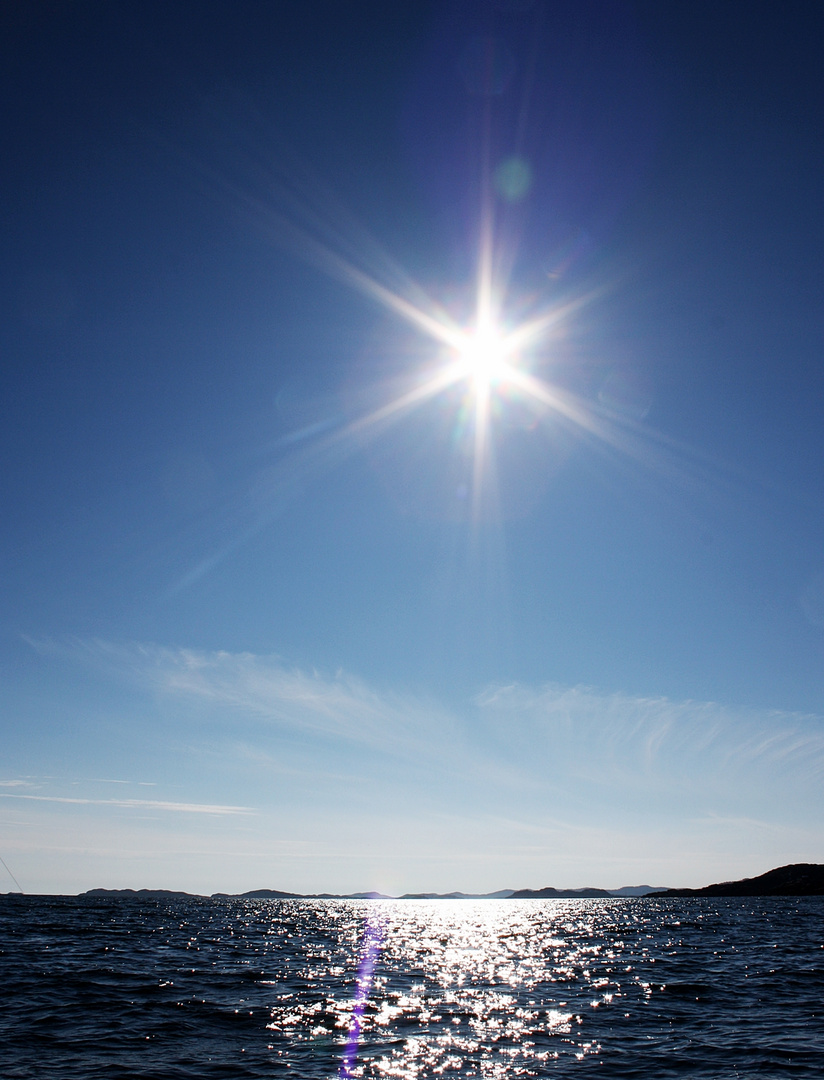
x=236 y=988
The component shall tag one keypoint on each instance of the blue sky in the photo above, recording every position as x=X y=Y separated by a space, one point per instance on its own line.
x=294 y=597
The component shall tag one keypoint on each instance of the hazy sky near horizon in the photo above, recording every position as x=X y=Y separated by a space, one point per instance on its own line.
x=282 y=605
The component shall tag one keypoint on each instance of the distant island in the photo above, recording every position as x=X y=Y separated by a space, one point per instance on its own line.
x=277 y=894
x=797 y=879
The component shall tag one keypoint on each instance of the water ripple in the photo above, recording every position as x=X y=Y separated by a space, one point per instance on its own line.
x=688 y=988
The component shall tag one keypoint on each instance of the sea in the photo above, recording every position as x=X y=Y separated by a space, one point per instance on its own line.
x=185 y=988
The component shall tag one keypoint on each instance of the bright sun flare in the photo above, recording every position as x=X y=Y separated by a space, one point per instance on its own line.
x=490 y=358
x=483 y=357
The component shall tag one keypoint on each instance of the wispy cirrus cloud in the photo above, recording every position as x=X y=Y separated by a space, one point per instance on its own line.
x=513 y=741
x=528 y=778
x=338 y=706
x=654 y=738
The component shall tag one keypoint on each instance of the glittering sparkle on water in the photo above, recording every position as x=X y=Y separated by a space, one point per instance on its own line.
x=687 y=988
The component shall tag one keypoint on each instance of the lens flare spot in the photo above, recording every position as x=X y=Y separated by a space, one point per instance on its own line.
x=513 y=179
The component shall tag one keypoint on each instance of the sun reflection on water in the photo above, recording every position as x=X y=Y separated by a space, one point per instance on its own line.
x=501 y=986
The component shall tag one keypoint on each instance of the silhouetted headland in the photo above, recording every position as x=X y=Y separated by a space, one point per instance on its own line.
x=797 y=879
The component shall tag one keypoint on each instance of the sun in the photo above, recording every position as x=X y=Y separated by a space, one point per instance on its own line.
x=480 y=362
x=483 y=357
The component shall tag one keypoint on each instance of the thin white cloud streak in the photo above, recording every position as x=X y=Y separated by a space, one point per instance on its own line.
x=137 y=804
x=106 y=780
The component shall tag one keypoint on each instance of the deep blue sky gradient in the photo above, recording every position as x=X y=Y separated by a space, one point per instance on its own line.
x=171 y=370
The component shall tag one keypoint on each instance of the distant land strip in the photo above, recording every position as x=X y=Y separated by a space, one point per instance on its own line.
x=797 y=879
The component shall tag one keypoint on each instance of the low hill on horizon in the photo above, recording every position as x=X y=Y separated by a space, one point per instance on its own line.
x=795 y=879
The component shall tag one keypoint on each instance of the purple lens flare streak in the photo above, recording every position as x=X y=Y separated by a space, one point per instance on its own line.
x=372 y=938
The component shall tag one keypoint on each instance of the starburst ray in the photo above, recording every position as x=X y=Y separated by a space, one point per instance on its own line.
x=537 y=328
x=430 y=319
x=448 y=376
x=490 y=355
